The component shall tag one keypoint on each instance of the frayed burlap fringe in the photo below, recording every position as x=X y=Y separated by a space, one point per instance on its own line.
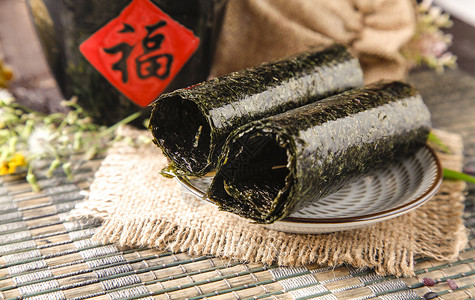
x=141 y=208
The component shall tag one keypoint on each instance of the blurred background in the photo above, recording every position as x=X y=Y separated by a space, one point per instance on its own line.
x=34 y=85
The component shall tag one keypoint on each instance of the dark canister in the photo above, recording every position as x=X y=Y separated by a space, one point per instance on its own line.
x=63 y=25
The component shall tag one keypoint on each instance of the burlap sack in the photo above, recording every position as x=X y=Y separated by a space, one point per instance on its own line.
x=256 y=31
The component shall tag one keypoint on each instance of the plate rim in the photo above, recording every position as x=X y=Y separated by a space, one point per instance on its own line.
x=344 y=221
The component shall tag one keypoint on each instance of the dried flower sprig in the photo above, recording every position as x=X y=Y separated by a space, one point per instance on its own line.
x=28 y=136
x=429 y=45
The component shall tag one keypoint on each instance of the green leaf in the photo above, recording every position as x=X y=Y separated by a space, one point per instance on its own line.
x=451 y=174
x=432 y=138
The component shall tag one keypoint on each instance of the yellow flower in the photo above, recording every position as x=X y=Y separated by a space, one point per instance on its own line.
x=9 y=167
x=4 y=168
x=6 y=74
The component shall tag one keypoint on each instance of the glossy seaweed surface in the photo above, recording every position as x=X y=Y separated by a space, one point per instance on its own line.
x=274 y=166
x=190 y=125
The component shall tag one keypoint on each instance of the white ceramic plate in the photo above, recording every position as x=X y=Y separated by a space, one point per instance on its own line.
x=388 y=193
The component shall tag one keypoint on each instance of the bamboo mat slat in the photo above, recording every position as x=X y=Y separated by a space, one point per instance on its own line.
x=45 y=256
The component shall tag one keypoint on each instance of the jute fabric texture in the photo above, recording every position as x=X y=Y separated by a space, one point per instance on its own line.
x=256 y=31
x=139 y=207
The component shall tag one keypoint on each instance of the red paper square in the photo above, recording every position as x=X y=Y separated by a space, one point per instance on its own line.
x=140 y=51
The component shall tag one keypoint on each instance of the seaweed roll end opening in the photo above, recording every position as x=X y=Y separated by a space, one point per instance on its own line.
x=182 y=131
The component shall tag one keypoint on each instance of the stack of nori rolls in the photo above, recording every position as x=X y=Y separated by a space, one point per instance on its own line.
x=274 y=166
x=191 y=125
x=285 y=134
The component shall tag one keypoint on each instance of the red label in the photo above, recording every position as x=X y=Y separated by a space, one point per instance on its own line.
x=140 y=51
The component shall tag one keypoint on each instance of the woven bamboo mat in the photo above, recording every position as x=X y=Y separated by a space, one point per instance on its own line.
x=44 y=256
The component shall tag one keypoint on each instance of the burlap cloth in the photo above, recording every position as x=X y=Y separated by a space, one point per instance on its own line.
x=139 y=207
x=255 y=31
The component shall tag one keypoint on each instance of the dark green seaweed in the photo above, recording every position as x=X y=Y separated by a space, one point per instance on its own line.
x=190 y=125
x=274 y=166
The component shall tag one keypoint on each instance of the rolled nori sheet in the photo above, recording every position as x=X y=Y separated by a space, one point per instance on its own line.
x=190 y=125
x=274 y=166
